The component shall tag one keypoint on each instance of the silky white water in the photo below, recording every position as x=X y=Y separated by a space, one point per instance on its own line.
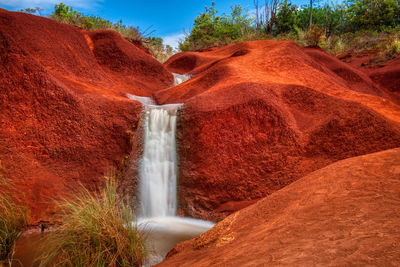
x=157 y=187
x=180 y=78
x=163 y=233
x=142 y=99
x=157 y=173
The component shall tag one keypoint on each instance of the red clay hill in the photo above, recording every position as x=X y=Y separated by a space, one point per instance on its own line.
x=63 y=119
x=260 y=115
x=346 y=214
x=257 y=115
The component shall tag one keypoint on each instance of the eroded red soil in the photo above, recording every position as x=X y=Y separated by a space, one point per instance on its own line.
x=259 y=115
x=345 y=214
x=63 y=117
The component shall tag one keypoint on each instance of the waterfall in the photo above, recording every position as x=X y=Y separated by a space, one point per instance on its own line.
x=157 y=174
x=158 y=166
x=157 y=188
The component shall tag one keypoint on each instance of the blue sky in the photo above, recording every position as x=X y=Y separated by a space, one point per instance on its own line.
x=168 y=19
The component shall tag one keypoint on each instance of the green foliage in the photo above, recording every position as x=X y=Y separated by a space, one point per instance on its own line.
x=36 y=10
x=336 y=27
x=63 y=11
x=355 y=15
x=327 y=17
x=388 y=47
x=97 y=230
x=67 y=14
x=372 y=14
x=392 y=47
x=209 y=29
x=286 y=19
x=315 y=35
x=331 y=21
x=158 y=49
x=12 y=219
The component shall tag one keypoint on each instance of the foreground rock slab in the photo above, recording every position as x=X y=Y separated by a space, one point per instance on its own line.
x=347 y=213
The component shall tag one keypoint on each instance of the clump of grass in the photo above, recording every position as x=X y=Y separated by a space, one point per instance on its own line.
x=12 y=220
x=96 y=230
x=392 y=48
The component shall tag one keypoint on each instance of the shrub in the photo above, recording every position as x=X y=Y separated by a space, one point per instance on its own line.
x=372 y=14
x=66 y=14
x=335 y=45
x=316 y=35
x=96 y=230
x=160 y=51
x=392 y=48
x=313 y=37
x=69 y=15
x=209 y=29
x=286 y=17
x=12 y=219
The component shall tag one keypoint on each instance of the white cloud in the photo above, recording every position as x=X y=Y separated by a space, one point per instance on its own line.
x=49 y=4
x=173 y=39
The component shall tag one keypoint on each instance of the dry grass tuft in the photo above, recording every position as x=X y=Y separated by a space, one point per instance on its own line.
x=12 y=220
x=97 y=230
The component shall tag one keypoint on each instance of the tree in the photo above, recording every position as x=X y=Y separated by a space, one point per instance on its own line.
x=265 y=19
x=372 y=14
x=209 y=29
x=32 y=10
x=65 y=11
x=310 y=14
x=334 y=19
x=286 y=17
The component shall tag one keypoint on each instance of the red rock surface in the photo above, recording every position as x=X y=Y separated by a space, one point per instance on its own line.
x=259 y=115
x=388 y=76
x=346 y=214
x=63 y=119
x=385 y=74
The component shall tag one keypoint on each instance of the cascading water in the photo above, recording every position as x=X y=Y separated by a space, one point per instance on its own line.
x=180 y=78
x=157 y=175
x=158 y=180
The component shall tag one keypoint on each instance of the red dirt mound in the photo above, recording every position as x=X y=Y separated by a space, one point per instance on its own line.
x=63 y=120
x=345 y=214
x=385 y=74
x=388 y=76
x=259 y=115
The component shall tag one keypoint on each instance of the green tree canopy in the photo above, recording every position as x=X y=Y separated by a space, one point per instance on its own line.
x=209 y=29
x=372 y=14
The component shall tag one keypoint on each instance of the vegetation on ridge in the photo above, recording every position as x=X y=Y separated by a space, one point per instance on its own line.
x=352 y=25
x=67 y=14
x=355 y=24
x=97 y=230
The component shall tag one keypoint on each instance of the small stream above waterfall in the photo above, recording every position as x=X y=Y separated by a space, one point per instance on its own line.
x=157 y=189
x=180 y=78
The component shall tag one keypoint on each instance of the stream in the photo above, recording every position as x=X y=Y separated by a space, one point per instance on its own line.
x=157 y=188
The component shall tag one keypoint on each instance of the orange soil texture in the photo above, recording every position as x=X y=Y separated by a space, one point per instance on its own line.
x=63 y=117
x=346 y=214
x=259 y=115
